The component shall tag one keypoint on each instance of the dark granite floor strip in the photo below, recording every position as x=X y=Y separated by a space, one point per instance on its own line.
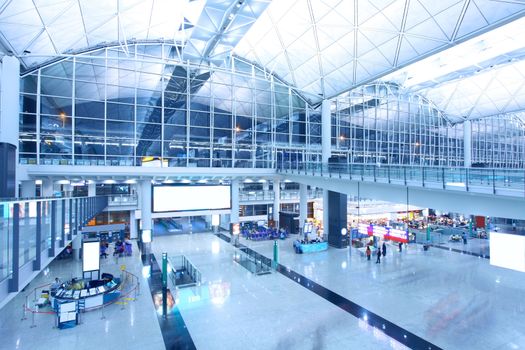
x=392 y=330
x=174 y=330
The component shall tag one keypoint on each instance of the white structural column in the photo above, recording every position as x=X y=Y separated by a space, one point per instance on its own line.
x=9 y=100
x=132 y=225
x=47 y=188
x=234 y=215
x=303 y=205
x=146 y=234
x=9 y=114
x=467 y=143
x=326 y=143
x=68 y=190
x=76 y=244
x=92 y=189
x=28 y=189
x=276 y=201
x=145 y=204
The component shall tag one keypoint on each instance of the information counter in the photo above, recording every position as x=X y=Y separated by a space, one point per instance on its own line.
x=301 y=248
x=89 y=293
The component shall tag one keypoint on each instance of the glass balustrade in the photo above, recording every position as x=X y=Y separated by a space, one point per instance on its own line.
x=508 y=182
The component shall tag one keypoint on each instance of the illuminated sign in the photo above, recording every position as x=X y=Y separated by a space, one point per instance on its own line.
x=90 y=255
x=363 y=229
x=384 y=232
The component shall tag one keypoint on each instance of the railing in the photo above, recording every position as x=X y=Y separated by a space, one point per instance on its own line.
x=507 y=182
x=252 y=261
x=284 y=194
x=181 y=265
x=34 y=231
x=120 y=200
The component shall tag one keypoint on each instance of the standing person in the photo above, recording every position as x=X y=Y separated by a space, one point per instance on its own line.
x=400 y=247
x=384 y=249
x=464 y=238
x=378 y=261
x=368 y=252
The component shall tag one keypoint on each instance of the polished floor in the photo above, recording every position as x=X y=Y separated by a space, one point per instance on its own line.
x=453 y=300
x=235 y=309
x=131 y=324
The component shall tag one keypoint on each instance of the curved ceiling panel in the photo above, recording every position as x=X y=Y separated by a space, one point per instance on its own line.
x=328 y=46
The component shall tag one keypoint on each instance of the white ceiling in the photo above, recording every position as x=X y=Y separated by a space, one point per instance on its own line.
x=36 y=30
x=322 y=47
x=328 y=46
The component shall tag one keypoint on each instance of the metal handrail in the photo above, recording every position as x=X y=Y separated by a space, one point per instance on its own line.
x=509 y=182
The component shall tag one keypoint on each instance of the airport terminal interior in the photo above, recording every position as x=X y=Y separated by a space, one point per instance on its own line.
x=257 y=174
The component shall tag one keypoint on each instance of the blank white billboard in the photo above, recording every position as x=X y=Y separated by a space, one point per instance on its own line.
x=90 y=256
x=188 y=198
x=507 y=251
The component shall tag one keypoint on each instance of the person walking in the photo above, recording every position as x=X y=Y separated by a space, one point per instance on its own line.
x=368 y=252
x=384 y=249
x=400 y=247
x=378 y=261
x=464 y=235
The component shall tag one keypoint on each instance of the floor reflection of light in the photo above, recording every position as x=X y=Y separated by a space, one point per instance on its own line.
x=146 y=271
x=343 y=265
x=215 y=247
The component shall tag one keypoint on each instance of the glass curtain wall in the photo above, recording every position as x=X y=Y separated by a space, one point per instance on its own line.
x=6 y=241
x=378 y=124
x=498 y=142
x=144 y=107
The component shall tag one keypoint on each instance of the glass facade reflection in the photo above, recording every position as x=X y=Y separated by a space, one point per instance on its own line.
x=56 y=216
x=144 y=107
x=110 y=107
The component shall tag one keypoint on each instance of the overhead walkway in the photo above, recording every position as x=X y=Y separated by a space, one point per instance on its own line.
x=494 y=192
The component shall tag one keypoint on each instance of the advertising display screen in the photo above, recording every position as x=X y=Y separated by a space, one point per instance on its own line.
x=384 y=232
x=90 y=256
x=190 y=198
x=507 y=251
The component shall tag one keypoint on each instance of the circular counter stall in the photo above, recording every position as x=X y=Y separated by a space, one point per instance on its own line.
x=89 y=294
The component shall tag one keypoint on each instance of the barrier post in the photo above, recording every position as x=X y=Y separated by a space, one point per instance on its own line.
x=275 y=254
x=24 y=311
x=33 y=325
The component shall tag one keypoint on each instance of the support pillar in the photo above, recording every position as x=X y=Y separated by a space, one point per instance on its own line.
x=326 y=144
x=132 y=225
x=337 y=225
x=28 y=189
x=67 y=190
x=92 y=189
x=467 y=143
x=47 y=188
x=326 y=140
x=76 y=244
x=145 y=206
x=9 y=121
x=303 y=205
x=276 y=201
x=234 y=214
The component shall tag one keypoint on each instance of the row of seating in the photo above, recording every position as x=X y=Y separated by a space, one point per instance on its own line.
x=264 y=234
